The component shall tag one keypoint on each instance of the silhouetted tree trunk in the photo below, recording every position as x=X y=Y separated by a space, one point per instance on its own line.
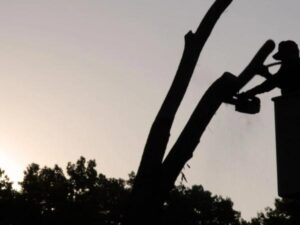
x=156 y=177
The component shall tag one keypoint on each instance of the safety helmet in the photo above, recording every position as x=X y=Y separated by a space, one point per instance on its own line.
x=287 y=50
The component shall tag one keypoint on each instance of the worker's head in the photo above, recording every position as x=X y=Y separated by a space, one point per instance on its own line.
x=287 y=50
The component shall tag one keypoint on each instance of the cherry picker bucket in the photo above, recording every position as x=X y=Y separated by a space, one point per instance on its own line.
x=287 y=125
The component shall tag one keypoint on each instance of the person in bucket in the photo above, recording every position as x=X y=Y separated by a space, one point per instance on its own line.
x=288 y=76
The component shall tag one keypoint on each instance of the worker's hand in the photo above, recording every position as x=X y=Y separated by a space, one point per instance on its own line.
x=245 y=95
x=263 y=71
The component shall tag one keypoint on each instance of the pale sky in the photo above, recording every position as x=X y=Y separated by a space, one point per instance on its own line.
x=88 y=77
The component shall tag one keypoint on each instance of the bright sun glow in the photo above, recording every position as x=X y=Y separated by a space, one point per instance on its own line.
x=10 y=166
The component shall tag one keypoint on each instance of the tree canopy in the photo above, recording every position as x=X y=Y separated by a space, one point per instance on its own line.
x=81 y=195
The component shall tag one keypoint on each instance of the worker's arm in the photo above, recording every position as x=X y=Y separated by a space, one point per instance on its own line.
x=268 y=85
x=264 y=71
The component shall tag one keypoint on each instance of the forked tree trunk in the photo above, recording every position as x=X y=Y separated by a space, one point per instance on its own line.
x=155 y=177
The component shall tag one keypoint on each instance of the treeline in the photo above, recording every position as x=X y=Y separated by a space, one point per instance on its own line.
x=85 y=197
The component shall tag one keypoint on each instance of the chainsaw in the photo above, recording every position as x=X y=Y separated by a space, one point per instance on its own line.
x=246 y=104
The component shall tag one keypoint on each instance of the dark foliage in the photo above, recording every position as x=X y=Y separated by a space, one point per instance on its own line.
x=194 y=206
x=286 y=212
x=47 y=196
x=85 y=197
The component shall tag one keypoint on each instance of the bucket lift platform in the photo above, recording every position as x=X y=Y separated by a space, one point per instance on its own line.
x=287 y=125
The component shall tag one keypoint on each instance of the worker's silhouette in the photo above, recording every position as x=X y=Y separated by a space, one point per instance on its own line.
x=288 y=76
